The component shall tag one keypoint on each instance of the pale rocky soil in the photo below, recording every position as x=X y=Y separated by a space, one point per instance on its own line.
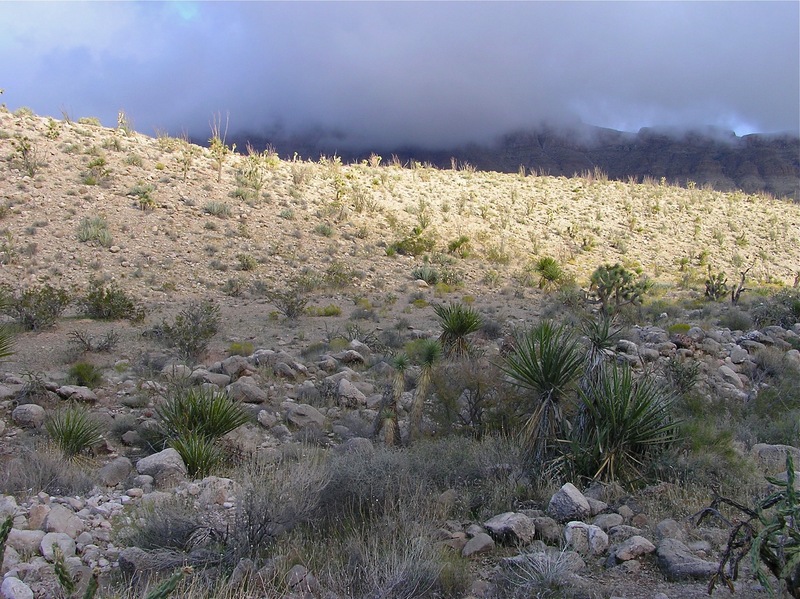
x=176 y=252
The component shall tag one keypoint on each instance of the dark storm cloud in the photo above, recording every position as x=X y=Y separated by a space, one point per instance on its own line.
x=394 y=73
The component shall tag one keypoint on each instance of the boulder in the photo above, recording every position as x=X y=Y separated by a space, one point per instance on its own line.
x=25 y=541
x=166 y=467
x=568 y=503
x=349 y=396
x=511 y=527
x=246 y=392
x=547 y=530
x=62 y=540
x=727 y=374
x=77 y=393
x=28 y=415
x=632 y=548
x=480 y=543
x=773 y=457
x=62 y=519
x=303 y=415
x=234 y=366
x=586 y=539
x=115 y=471
x=677 y=562
x=608 y=521
x=14 y=588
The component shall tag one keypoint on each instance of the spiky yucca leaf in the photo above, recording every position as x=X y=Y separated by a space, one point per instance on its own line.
x=200 y=454
x=430 y=353
x=457 y=321
x=73 y=430
x=546 y=361
x=628 y=419
x=207 y=413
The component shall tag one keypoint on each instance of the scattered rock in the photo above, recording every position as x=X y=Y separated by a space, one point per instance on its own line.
x=511 y=527
x=677 y=562
x=568 y=503
x=28 y=415
x=480 y=543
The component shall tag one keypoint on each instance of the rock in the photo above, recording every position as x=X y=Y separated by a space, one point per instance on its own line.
x=568 y=504
x=677 y=562
x=235 y=366
x=77 y=393
x=586 y=539
x=739 y=355
x=8 y=506
x=14 y=588
x=176 y=372
x=282 y=369
x=480 y=543
x=669 y=529
x=727 y=374
x=349 y=396
x=115 y=472
x=166 y=467
x=217 y=491
x=547 y=530
x=202 y=375
x=25 y=541
x=64 y=542
x=773 y=457
x=596 y=506
x=28 y=415
x=300 y=579
x=627 y=347
x=267 y=419
x=356 y=445
x=511 y=527
x=246 y=392
x=63 y=519
x=608 y=521
x=632 y=548
x=303 y=415
x=349 y=356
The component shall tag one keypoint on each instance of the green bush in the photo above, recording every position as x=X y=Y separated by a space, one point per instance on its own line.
x=782 y=309
x=240 y=348
x=84 y=374
x=110 y=302
x=198 y=411
x=291 y=301
x=614 y=287
x=37 y=308
x=460 y=247
x=546 y=361
x=192 y=328
x=74 y=431
x=550 y=272
x=425 y=273
x=457 y=321
x=95 y=228
x=627 y=421
x=201 y=455
x=246 y=262
x=415 y=244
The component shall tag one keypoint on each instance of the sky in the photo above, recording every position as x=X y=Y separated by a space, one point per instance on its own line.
x=432 y=74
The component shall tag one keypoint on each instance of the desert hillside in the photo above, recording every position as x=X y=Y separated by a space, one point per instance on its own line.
x=227 y=375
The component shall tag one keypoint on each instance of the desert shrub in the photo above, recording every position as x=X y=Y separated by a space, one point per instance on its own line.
x=773 y=416
x=614 y=286
x=172 y=524
x=110 y=302
x=716 y=285
x=329 y=310
x=545 y=362
x=682 y=374
x=736 y=320
x=197 y=411
x=782 y=309
x=550 y=272
x=542 y=574
x=73 y=430
x=628 y=421
x=218 y=209
x=457 y=321
x=33 y=470
x=84 y=374
x=425 y=273
x=767 y=534
x=240 y=348
x=37 y=308
x=323 y=229
x=415 y=244
x=192 y=328
x=247 y=262
x=143 y=194
x=290 y=301
x=460 y=247
x=95 y=228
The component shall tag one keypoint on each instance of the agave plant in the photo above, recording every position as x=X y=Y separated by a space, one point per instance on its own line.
x=546 y=362
x=627 y=420
x=430 y=353
x=457 y=321
x=207 y=413
x=73 y=430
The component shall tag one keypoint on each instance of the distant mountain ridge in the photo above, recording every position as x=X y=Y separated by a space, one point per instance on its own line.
x=753 y=163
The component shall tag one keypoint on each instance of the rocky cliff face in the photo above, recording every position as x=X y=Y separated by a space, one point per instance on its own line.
x=752 y=163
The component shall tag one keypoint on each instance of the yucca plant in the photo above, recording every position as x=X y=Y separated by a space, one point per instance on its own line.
x=457 y=321
x=201 y=454
x=546 y=362
x=430 y=353
x=387 y=420
x=209 y=414
x=6 y=334
x=628 y=419
x=73 y=430
x=550 y=273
